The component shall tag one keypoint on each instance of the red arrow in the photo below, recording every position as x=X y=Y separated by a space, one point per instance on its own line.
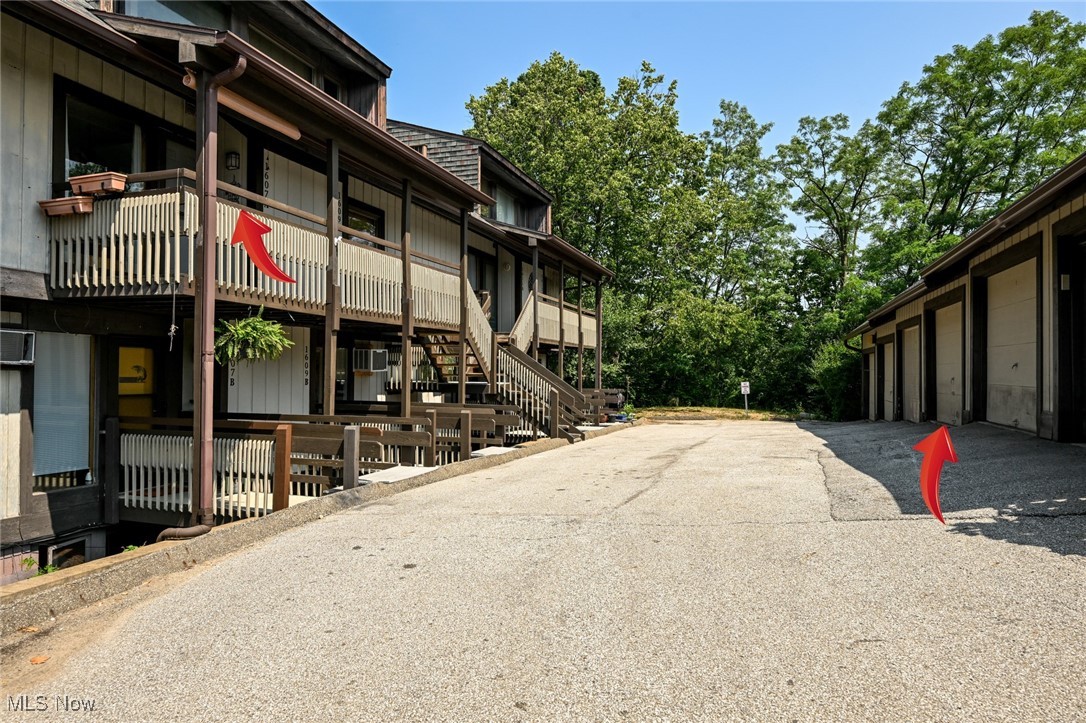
x=936 y=448
x=250 y=231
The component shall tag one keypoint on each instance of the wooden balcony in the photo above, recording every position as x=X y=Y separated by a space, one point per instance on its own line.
x=551 y=321
x=142 y=244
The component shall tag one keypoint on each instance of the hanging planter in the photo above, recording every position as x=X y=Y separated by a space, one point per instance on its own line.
x=67 y=206
x=253 y=338
x=98 y=183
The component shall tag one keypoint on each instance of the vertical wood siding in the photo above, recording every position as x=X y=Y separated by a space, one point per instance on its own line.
x=274 y=387
x=28 y=60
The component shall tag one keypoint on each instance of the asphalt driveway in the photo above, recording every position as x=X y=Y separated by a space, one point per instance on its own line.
x=718 y=570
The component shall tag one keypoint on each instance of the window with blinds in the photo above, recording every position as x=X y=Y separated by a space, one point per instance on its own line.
x=62 y=393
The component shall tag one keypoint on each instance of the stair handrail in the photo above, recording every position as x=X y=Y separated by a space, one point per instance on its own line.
x=480 y=333
x=520 y=335
x=568 y=392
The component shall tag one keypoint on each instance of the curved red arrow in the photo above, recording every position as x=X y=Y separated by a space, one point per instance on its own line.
x=250 y=232
x=936 y=448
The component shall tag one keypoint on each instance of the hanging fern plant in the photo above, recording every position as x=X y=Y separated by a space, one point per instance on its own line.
x=253 y=338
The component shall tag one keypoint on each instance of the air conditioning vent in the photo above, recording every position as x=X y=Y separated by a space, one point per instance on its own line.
x=371 y=360
x=16 y=347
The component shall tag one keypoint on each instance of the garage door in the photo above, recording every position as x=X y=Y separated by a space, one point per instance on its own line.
x=1012 y=346
x=888 y=381
x=910 y=374
x=948 y=364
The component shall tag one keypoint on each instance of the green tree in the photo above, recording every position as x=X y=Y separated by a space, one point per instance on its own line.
x=982 y=126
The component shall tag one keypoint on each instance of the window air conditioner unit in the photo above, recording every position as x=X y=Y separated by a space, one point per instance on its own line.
x=16 y=347
x=371 y=360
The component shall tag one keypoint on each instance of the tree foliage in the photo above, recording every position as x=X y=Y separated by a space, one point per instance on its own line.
x=713 y=284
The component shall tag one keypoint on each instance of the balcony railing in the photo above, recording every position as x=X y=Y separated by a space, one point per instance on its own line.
x=143 y=243
x=521 y=334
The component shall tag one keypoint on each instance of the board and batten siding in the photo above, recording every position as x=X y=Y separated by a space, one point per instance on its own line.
x=431 y=233
x=29 y=58
x=1012 y=346
x=273 y=387
x=10 y=442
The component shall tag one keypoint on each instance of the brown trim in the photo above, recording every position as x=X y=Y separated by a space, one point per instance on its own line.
x=909 y=323
x=1020 y=252
x=979 y=274
x=884 y=339
x=948 y=298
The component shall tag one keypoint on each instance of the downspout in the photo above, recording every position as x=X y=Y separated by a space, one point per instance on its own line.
x=182 y=533
x=856 y=349
x=204 y=348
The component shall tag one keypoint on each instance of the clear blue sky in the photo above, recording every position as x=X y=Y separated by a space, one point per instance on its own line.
x=781 y=60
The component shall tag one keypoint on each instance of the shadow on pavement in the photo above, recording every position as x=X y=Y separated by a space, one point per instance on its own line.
x=1007 y=485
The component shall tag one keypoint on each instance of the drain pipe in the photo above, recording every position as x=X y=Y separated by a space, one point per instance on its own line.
x=204 y=323
x=182 y=533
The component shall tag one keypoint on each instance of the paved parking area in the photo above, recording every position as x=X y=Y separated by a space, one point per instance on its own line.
x=717 y=570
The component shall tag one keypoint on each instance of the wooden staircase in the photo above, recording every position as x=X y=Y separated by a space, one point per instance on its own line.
x=443 y=351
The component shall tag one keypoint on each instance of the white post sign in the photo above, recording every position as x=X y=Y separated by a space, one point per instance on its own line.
x=744 y=387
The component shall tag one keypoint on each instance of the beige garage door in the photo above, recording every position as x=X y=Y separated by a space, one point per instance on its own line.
x=1012 y=346
x=910 y=373
x=948 y=364
x=888 y=381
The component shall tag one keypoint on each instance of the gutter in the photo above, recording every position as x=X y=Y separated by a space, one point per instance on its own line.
x=311 y=95
x=1015 y=213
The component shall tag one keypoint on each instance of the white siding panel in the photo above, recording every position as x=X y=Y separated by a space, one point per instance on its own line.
x=1012 y=346
x=948 y=364
x=273 y=387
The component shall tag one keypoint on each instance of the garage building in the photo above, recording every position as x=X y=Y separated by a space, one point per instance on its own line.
x=995 y=330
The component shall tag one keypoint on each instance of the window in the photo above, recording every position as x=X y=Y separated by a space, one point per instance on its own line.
x=422 y=149
x=184 y=12
x=100 y=140
x=362 y=217
x=332 y=88
x=506 y=209
x=62 y=403
x=94 y=132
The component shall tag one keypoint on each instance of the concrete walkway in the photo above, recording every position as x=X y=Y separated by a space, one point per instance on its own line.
x=734 y=570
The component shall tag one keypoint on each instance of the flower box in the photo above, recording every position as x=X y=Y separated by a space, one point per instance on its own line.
x=98 y=183
x=66 y=206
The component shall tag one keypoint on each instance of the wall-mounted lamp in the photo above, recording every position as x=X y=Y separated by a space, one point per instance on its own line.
x=233 y=160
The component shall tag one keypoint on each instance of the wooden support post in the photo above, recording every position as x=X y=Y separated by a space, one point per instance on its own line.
x=351 y=470
x=407 y=310
x=111 y=473
x=599 y=334
x=562 y=319
x=465 y=434
x=535 y=297
x=494 y=361
x=281 y=481
x=556 y=414
x=332 y=301
x=431 y=451
x=580 y=331
x=463 y=381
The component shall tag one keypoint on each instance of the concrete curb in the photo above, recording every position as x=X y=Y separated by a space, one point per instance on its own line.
x=37 y=599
